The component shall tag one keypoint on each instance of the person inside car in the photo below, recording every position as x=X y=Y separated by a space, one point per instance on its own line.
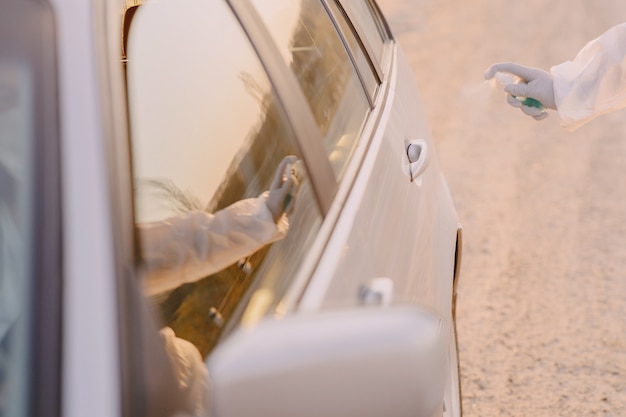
x=196 y=244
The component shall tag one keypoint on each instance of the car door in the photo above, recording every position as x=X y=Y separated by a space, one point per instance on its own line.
x=362 y=93
x=209 y=129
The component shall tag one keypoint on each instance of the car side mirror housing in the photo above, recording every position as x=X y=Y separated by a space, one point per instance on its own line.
x=367 y=361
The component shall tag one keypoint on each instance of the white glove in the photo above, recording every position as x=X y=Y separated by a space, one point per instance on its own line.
x=535 y=83
x=284 y=187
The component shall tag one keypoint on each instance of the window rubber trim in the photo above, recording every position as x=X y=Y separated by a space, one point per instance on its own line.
x=374 y=68
x=117 y=148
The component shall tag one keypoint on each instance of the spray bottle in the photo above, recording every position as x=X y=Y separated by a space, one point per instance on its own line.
x=506 y=79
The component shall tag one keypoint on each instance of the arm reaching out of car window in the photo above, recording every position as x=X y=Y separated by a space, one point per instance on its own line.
x=196 y=244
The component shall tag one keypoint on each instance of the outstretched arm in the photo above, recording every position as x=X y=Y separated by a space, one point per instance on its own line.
x=196 y=244
x=592 y=84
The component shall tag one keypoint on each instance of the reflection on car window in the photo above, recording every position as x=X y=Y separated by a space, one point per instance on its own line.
x=209 y=140
x=312 y=48
x=16 y=185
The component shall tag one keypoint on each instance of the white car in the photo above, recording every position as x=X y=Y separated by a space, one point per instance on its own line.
x=119 y=117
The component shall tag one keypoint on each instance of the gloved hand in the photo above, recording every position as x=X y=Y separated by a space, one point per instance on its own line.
x=283 y=190
x=536 y=83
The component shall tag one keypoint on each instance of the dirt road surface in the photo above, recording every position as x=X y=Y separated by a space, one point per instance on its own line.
x=542 y=297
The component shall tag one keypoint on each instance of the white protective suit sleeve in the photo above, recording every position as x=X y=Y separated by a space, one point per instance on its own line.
x=594 y=83
x=190 y=371
x=194 y=245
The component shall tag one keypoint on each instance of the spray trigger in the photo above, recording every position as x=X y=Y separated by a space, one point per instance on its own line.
x=505 y=79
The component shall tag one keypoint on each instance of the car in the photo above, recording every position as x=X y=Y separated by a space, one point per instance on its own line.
x=119 y=118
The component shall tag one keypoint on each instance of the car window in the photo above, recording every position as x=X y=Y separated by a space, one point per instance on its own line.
x=16 y=165
x=208 y=141
x=362 y=61
x=370 y=27
x=29 y=212
x=313 y=49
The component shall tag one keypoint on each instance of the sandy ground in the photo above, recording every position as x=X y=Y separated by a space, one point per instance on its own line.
x=542 y=308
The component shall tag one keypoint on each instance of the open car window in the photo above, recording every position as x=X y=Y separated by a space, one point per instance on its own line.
x=208 y=140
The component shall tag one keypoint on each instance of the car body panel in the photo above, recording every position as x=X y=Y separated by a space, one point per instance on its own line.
x=89 y=291
x=384 y=192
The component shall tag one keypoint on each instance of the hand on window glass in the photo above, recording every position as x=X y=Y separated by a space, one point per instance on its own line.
x=284 y=188
x=196 y=244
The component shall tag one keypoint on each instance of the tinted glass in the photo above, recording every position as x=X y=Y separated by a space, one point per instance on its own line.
x=30 y=246
x=370 y=26
x=16 y=187
x=366 y=71
x=311 y=46
x=208 y=140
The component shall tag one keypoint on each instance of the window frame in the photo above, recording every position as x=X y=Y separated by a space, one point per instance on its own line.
x=293 y=103
x=142 y=357
x=379 y=63
x=374 y=66
x=331 y=192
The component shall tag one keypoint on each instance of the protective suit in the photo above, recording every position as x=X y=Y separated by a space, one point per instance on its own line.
x=192 y=246
x=190 y=373
x=196 y=244
x=592 y=84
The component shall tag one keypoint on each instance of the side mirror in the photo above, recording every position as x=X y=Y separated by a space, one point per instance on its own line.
x=361 y=362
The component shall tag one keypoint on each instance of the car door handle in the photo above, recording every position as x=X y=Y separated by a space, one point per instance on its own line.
x=416 y=159
x=379 y=291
